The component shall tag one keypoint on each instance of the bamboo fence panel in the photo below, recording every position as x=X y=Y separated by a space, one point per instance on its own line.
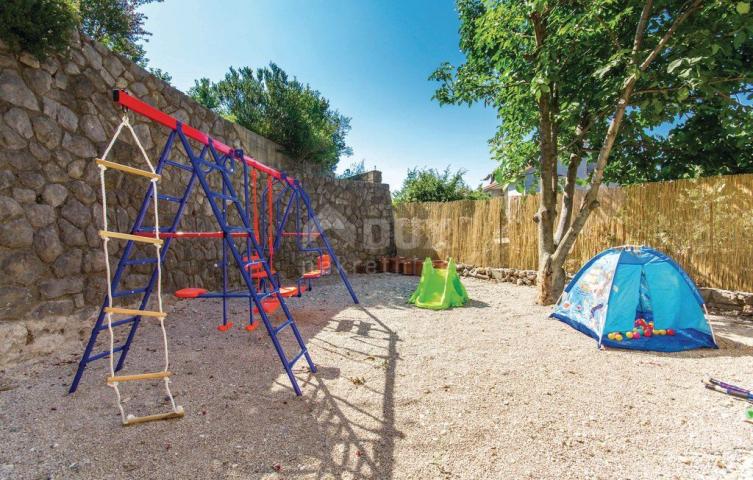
x=468 y=231
x=705 y=224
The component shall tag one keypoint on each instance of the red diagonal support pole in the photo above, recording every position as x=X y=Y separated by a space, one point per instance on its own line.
x=122 y=98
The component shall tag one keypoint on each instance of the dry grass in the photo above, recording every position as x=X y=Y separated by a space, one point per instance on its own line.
x=491 y=390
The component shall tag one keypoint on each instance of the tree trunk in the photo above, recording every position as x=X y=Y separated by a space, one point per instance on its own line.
x=553 y=251
x=551 y=279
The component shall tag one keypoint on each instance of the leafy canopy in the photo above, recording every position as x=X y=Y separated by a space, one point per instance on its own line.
x=270 y=103
x=39 y=27
x=715 y=138
x=430 y=185
x=697 y=84
x=577 y=80
x=117 y=24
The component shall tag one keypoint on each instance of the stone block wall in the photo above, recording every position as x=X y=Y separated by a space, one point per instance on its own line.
x=56 y=116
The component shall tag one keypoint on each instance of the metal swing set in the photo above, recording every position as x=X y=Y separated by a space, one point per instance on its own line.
x=261 y=218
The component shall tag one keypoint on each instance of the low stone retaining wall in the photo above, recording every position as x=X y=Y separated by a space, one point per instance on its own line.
x=718 y=301
x=727 y=302
x=511 y=275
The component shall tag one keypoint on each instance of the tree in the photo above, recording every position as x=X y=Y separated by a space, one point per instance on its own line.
x=282 y=109
x=118 y=25
x=161 y=74
x=716 y=138
x=39 y=27
x=565 y=75
x=430 y=185
x=205 y=93
x=355 y=168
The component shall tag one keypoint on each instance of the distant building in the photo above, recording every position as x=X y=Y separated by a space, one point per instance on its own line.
x=531 y=182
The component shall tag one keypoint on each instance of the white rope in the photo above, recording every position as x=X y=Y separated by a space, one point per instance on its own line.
x=126 y=123
x=105 y=242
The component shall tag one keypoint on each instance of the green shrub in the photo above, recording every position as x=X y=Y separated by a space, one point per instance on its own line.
x=39 y=27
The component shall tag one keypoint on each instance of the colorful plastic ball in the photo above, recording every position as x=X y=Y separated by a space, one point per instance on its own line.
x=630 y=334
x=647 y=334
x=671 y=331
x=618 y=337
x=610 y=336
x=636 y=335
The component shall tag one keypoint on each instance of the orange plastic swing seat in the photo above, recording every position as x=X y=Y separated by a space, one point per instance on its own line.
x=190 y=292
x=270 y=305
x=325 y=264
x=292 y=291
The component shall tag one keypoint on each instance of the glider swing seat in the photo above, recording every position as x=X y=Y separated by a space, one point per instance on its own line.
x=260 y=225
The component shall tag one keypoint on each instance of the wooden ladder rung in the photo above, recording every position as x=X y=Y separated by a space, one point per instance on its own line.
x=131 y=420
x=127 y=169
x=128 y=236
x=134 y=312
x=140 y=376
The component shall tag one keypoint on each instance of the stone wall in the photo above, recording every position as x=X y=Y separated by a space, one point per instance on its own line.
x=56 y=116
x=372 y=176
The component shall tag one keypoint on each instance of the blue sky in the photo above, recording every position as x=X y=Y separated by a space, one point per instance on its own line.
x=371 y=58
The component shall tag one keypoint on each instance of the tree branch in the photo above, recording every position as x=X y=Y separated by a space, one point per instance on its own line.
x=568 y=197
x=590 y=201
x=713 y=82
x=641 y=29
x=694 y=4
x=548 y=146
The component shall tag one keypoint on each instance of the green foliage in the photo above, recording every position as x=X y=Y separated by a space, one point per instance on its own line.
x=430 y=185
x=282 y=109
x=355 y=168
x=717 y=139
x=161 y=74
x=118 y=24
x=582 y=65
x=39 y=27
x=205 y=93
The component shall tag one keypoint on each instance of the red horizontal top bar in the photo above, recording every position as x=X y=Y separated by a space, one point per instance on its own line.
x=127 y=101
x=190 y=234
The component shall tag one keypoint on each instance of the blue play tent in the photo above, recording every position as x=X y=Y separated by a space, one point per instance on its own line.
x=624 y=288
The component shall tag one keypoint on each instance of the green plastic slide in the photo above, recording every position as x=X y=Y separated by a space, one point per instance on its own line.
x=439 y=288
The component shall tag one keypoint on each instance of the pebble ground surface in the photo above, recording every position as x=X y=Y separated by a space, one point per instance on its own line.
x=492 y=390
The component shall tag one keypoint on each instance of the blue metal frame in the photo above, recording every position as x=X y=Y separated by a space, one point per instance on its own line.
x=125 y=261
x=201 y=167
x=256 y=297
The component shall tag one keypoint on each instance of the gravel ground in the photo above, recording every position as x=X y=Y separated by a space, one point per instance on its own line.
x=492 y=390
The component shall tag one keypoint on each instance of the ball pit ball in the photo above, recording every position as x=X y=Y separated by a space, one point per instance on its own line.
x=618 y=337
x=629 y=334
x=610 y=336
x=647 y=334
x=671 y=331
x=636 y=335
